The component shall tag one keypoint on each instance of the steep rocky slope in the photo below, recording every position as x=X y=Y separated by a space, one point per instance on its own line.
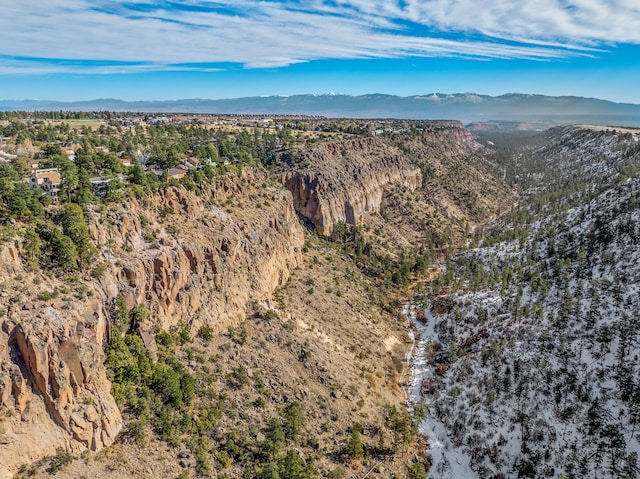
x=200 y=258
x=339 y=182
x=531 y=355
x=53 y=387
x=460 y=190
x=216 y=259
x=422 y=182
x=325 y=343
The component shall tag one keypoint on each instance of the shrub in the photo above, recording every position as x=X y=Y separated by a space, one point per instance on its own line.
x=99 y=270
x=62 y=459
x=183 y=332
x=45 y=296
x=417 y=471
x=205 y=333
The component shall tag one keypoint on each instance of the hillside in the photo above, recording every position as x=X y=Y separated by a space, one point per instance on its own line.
x=529 y=353
x=422 y=191
x=195 y=327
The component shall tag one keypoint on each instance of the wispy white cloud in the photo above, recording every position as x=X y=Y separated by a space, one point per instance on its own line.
x=578 y=21
x=58 y=35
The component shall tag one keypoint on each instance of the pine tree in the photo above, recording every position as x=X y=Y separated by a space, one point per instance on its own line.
x=354 y=446
x=275 y=439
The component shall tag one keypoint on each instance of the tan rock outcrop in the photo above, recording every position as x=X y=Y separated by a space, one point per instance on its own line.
x=52 y=375
x=10 y=259
x=339 y=182
x=216 y=261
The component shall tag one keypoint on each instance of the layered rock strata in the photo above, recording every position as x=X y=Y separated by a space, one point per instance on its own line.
x=53 y=387
x=341 y=181
x=201 y=258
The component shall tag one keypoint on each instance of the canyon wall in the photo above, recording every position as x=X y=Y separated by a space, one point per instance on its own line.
x=198 y=257
x=201 y=258
x=339 y=182
x=53 y=386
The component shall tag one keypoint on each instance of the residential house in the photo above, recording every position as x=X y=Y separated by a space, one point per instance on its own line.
x=99 y=186
x=124 y=158
x=192 y=163
x=176 y=173
x=48 y=180
x=210 y=162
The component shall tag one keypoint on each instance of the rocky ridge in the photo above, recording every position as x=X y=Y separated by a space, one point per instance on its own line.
x=351 y=181
x=202 y=258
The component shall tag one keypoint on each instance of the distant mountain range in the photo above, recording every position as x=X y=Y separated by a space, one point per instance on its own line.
x=466 y=107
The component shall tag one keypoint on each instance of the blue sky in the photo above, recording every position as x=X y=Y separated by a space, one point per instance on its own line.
x=142 y=50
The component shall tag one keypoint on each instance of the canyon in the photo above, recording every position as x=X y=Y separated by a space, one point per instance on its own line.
x=223 y=252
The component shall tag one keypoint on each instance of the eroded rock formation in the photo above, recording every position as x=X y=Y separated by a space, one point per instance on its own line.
x=339 y=182
x=53 y=387
x=202 y=258
x=198 y=257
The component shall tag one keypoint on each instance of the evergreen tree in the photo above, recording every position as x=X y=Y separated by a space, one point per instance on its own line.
x=74 y=226
x=354 y=445
x=32 y=248
x=275 y=439
x=63 y=250
x=294 y=421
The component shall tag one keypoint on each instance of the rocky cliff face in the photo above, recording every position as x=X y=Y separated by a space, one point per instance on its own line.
x=340 y=182
x=201 y=258
x=429 y=186
x=53 y=387
x=198 y=257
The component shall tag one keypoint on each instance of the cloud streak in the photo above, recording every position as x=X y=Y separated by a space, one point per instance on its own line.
x=85 y=36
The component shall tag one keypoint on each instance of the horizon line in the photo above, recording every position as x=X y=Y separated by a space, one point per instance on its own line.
x=329 y=94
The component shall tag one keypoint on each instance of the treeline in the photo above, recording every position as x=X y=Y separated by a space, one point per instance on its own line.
x=60 y=115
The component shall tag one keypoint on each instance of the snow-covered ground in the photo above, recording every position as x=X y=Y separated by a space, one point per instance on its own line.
x=448 y=462
x=530 y=363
